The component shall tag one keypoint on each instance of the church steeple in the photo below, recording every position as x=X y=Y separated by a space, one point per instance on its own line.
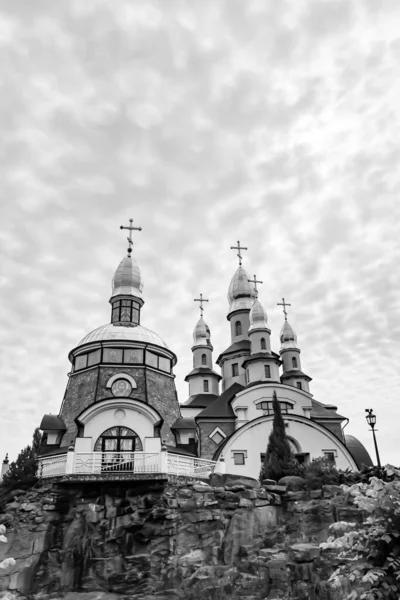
x=127 y=286
x=290 y=354
x=202 y=379
x=263 y=364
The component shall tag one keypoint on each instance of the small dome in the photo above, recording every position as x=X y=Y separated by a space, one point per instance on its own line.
x=359 y=452
x=201 y=333
x=241 y=293
x=120 y=332
x=288 y=337
x=127 y=279
x=258 y=316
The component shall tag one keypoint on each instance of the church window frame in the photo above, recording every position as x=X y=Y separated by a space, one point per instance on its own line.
x=217 y=436
x=239 y=457
x=267 y=407
x=263 y=343
x=267 y=371
x=204 y=359
x=238 y=328
x=118 y=434
x=247 y=376
x=206 y=386
x=330 y=455
x=294 y=362
x=80 y=362
x=235 y=369
x=125 y=310
x=299 y=385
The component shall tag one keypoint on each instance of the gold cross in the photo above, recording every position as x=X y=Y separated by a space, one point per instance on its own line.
x=239 y=247
x=284 y=304
x=201 y=300
x=255 y=281
x=129 y=238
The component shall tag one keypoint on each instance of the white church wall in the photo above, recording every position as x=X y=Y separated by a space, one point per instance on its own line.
x=264 y=392
x=115 y=417
x=252 y=440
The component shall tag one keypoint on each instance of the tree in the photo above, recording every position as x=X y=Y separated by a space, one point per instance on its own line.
x=23 y=470
x=279 y=460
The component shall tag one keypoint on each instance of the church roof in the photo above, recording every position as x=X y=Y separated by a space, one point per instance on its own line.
x=359 y=452
x=184 y=423
x=221 y=408
x=241 y=294
x=295 y=373
x=321 y=411
x=52 y=423
x=116 y=332
x=259 y=356
x=202 y=371
x=200 y=400
x=235 y=347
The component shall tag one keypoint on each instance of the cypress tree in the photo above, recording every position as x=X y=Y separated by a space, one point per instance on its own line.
x=279 y=460
x=23 y=470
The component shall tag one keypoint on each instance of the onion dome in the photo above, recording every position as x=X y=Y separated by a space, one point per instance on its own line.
x=201 y=333
x=258 y=316
x=127 y=279
x=241 y=293
x=121 y=333
x=288 y=337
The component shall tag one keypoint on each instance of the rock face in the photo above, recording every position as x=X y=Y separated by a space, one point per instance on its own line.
x=176 y=539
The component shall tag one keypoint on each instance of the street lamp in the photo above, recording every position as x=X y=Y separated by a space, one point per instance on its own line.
x=371 y=420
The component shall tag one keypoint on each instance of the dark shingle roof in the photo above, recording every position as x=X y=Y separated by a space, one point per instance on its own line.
x=295 y=373
x=202 y=371
x=320 y=411
x=52 y=423
x=221 y=408
x=184 y=423
x=200 y=400
x=235 y=347
x=358 y=451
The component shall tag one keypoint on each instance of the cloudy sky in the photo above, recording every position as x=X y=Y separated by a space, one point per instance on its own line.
x=275 y=123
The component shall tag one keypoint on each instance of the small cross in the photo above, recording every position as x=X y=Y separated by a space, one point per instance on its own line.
x=201 y=300
x=239 y=247
x=284 y=304
x=129 y=238
x=255 y=281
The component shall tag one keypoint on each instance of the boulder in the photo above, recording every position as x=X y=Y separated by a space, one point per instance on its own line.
x=304 y=552
x=245 y=527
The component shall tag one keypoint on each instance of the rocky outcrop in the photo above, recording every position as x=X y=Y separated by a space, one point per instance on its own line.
x=170 y=539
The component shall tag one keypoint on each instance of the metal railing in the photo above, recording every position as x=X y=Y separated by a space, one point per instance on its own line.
x=191 y=467
x=51 y=466
x=116 y=462
x=101 y=463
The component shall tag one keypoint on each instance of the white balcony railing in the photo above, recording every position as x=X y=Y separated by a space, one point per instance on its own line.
x=102 y=463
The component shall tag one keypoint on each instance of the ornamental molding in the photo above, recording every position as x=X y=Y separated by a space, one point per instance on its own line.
x=119 y=403
x=121 y=376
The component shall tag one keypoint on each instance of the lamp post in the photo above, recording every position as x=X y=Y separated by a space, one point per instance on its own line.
x=371 y=420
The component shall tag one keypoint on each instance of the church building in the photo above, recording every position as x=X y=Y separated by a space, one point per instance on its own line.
x=121 y=401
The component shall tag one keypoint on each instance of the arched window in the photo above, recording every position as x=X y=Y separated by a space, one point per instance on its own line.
x=238 y=328
x=263 y=344
x=118 y=439
x=294 y=362
x=203 y=359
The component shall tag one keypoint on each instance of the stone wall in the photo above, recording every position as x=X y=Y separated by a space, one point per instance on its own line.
x=181 y=539
x=207 y=446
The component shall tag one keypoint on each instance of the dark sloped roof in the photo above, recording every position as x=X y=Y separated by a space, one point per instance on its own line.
x=200 y=400
x=203 y=371
x=52 y=449
x=52 y=422
x=177 y=450
x=235 y=347
x=261 y=355
x=221 y=408
x=184 y=423
x=295 y=373
x=359 y=452
x=320 y=411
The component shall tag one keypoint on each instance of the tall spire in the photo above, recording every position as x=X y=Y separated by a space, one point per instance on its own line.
x=284 y=304
x=127 y=287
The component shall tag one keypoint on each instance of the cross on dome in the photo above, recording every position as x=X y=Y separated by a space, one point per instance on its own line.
x=129 y=238
x=201 y=300
x=239 y=248
x=255 y=281
x=284 y=304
